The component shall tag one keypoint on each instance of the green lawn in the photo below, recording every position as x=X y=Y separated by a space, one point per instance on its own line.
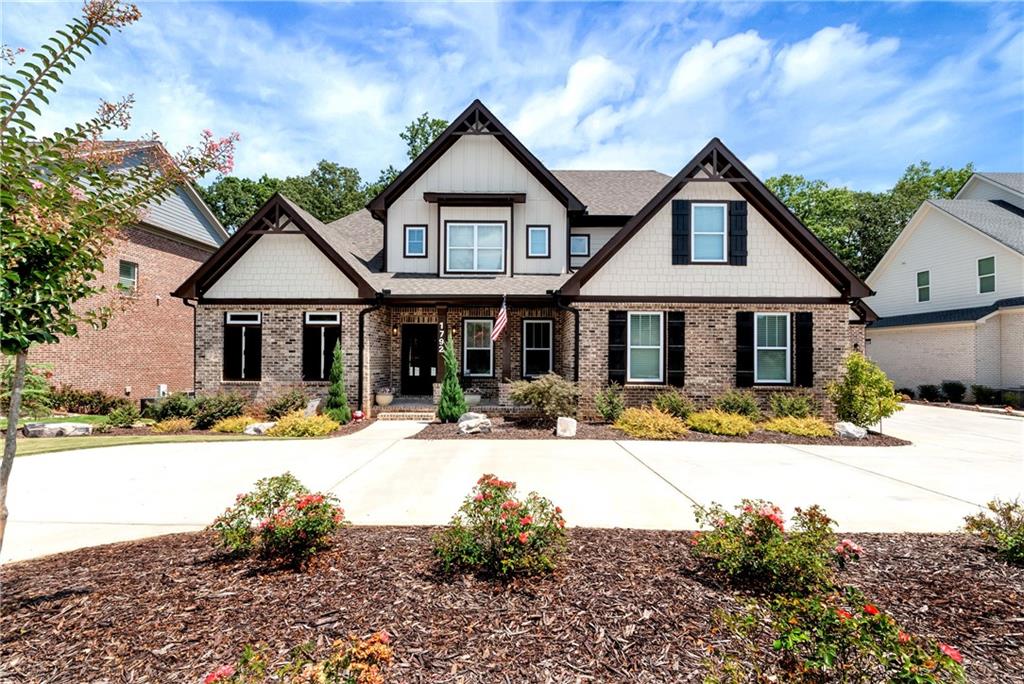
x=91 y=420
x=42 y=445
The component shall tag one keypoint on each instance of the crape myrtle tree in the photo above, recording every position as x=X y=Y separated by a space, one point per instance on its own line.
x=67 y=194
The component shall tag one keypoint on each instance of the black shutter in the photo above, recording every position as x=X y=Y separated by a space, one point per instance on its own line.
x=232 y=352
x=332 y=334
x=803 y=353
x=675 y=349
x=617 y=347
x=680 y=231
x=738 y=233
x=744 y=348
x=311 y=352
x=253 y=352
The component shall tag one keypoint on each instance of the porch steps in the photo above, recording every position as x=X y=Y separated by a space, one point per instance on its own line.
x=425 y=415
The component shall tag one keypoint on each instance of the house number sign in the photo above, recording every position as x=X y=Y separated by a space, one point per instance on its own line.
x=440 y=337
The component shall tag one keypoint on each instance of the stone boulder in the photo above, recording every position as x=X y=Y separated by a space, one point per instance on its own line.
x=850 y=431
x=312 y=408
x=258 y=428
x=56 y=429
x=471 y=423
x=566 y=427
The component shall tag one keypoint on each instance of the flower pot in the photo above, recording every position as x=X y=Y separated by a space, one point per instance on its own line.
x=473 y=399
x=385 y=399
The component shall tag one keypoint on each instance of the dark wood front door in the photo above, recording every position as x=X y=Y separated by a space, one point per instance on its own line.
x=419 y=359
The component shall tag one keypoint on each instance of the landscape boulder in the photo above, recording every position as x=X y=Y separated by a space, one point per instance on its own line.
x=566 y=427
x=850 y=431
x=471 y=423
x=56 y=429
x=312 y=407
x=259 y=428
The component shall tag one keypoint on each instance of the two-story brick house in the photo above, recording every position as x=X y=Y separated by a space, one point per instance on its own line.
x=703 y=281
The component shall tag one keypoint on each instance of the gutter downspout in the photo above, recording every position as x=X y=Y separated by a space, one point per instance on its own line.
x=195 y=339
x=576 y=333
x=377 y=303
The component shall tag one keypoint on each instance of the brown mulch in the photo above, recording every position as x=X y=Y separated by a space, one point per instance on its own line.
x=533 y=429
x=624 y=606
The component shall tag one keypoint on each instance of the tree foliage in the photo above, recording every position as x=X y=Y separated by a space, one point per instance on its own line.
x=420 y=132
x=452 y=403
x=336 y=405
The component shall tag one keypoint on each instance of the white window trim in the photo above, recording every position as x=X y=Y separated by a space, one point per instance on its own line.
x=788 y=348
x=919 y=286
x=546 y=254
x=408 y=252
x=476 y=246
x=694 y=233
x=550 y=348
x=466 y=348
x=231 y=320
x=661 y=347
x=328 y=319
x=586 y=238
x=322 y=318
x=994 y=276
x=135 y=281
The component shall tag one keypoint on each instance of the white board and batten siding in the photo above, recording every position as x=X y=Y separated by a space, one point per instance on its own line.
x=643 y=266
x=599 y=235
x=283 y=267
x=476 y=163
x=981 y=188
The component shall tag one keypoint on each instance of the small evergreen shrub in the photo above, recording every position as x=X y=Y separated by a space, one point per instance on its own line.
x=177 y=405
x=172 y=426
x=742 y=402
x=609 y=403
x=674 y=403
x=795 y=405
x=298 y=424
x=803 y=427
x=283 y=404
x=123 y=416
x=715 y=422
x=906 y=393
x=983 y=394
x=497 y=534
x=551 y=395
x=452 y=403
x=929 y=392
x=864 y=395
x=954 y=391
x=234 y=425
x=1002 y=527
x=336 y=407
x=649 y=423
x=212 y=408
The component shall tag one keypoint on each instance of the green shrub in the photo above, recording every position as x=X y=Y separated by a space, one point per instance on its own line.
x=792 y=404
x=452 y=403
x=1003 y=527
x=742 y=402
x=94 y=403
x=715 y=422
x=336 y=407
x=609 y=402
x=174 y=425
x=497 y=534
x=234 y=425
x=1011 y=398
x=177 y=405
x=954 y=391
x=550 y=394
x=36 y=399
x=236 y=526
x=753 y=546
x=649 y=423
x=864 y=395
x=674 y=403
x=804 y=427
x=906 y=392
x=298 y=424
x=983 y=394
x=291 y=401
x=123 y=416
x=929 y=392
x=213 y=408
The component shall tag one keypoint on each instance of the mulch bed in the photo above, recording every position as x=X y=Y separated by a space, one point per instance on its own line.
x=624 y=606
x=532 y=429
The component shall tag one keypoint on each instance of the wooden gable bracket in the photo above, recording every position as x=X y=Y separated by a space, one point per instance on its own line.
x=715 y=171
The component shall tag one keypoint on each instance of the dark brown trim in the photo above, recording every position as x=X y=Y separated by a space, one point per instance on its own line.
x=384 y=254
x=547 y=246
x=504 y=242
x=405 y=241
x=412 y=301
x=711 y=300
x=475 y=199
x=214 y=301
x=522 y=344
x=579 y=256
x=462 y=355
x=598 y=220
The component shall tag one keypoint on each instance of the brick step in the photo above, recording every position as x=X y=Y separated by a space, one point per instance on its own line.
x=407 y=415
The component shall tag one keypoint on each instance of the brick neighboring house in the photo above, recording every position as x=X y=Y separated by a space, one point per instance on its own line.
x=702 y=281
x=149 y=341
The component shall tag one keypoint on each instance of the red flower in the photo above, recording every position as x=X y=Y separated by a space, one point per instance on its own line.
x=524 y=537
x=510 y=505
x=220 y=674
x=870 y=609
x=843 y=615
x=526 y=520
x=558 y=509
x=951 y=652
x=903 y=637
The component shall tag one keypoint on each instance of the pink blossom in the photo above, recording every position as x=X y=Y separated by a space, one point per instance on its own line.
x=36 y=185
x=951 y=652
x=220 y=674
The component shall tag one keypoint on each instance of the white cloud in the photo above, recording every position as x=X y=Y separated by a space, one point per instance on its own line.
x=708 y=68
x=832 y=54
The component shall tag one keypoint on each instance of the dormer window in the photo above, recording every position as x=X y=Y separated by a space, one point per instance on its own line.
x=475 y=247
x=538 y=242
x=415 y=242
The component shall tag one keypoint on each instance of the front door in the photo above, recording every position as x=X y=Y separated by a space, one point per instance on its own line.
x=419 y=359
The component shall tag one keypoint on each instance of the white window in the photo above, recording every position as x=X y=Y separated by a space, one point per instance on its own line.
x=644 y=353
x=537 y=348
x=579 y=245
x=128 y=276
x=924 y=286
x=708 y=233
x=986 y=275
x=477 y=347
x=476 y=247
x=538 y=242
x=771 y=348
x=245 y=318
x=415 y=241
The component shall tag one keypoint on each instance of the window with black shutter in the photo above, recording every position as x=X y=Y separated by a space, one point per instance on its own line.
x=744 y=348
x=675 y=351
x=320 y=333
x=680 y=232
x=803 y=352
x=738 y=233
x=617 y=347
x=243 y=345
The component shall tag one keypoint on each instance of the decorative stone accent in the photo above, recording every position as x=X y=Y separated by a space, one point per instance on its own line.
x=56 y=429
x=472 y=423
x=258 y=428
x=312 y=407
x=850 y=431
x=566 y=427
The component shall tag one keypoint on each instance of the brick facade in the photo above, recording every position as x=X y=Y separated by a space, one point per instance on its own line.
x=149 y=340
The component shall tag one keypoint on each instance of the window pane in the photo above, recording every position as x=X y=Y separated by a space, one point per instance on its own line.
x=538 y=335
x=922 y=278
x=478 y=362
x=645 y=330
x=460 y=236
x=579 y=245
x=708 y=248
x=490 y=236
x=460 y=259
x=489 y=260
x=708 y=219
x=643 y=364
x=771 y=331
x=987 y=266
x=414 y=241
x=987 y=284
x=923 y=294
x=771 y=365
x=478 y=334
x=538 y=241
x=538 y=362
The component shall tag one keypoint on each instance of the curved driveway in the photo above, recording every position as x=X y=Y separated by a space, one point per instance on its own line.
x=959 y=459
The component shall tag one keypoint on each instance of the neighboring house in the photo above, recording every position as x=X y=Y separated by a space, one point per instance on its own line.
x=951 y=290
x=703 y=281
x=149 y=340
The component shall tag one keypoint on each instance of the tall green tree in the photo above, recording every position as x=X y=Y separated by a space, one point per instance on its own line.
x=234 y=199
x=328 y=192
x=66 y=195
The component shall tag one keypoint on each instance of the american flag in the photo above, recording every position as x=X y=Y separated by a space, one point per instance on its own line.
x=500 y=322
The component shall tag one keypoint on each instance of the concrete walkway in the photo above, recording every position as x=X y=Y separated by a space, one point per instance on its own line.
x=959 y=460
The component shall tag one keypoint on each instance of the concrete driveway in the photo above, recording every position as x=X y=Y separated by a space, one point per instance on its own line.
x=959 y=460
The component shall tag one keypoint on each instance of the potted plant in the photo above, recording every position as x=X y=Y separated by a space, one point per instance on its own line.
x=385 y=395
x=473 y=395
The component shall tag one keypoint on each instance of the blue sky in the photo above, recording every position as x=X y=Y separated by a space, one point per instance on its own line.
x=848 y=92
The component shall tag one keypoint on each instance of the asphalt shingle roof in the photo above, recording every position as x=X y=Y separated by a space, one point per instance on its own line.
x=947 y=316
x=999 y=220
x=621 y=193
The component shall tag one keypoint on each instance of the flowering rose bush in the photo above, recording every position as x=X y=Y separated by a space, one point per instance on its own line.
x=497 y=534
x=754 y=545
x=835 y=636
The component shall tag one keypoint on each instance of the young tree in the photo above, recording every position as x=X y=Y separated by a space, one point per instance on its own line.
x=420 y=132
x=452 y=403
x=336 y=405
x=65 y=197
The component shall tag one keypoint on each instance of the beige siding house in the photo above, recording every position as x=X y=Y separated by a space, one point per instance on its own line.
x=950 y=296
x=701 y=281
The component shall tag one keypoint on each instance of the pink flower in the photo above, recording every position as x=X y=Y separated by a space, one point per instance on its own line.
x=510 y=505
x=36 y=185
x=478 y=497
x=903 y=637
x=220 y=674
x=77 y=193
x=524 y=537
x=526 y=520
x=951 y=652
